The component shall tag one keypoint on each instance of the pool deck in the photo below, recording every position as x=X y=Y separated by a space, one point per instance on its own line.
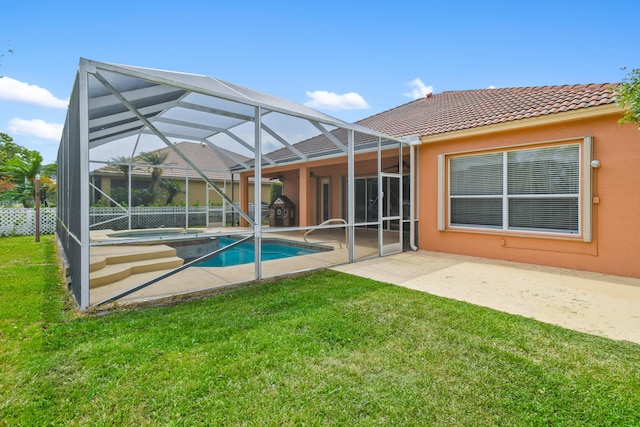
x=196 y=279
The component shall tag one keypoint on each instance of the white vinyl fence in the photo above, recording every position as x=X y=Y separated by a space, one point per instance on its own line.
x=165 y=216
x=22 y=221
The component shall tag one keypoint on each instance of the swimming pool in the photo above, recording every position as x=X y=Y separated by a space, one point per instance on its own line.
x=271 y=249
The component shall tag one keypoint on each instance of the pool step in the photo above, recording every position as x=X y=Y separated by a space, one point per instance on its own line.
x=101 y=256
x=112 y=264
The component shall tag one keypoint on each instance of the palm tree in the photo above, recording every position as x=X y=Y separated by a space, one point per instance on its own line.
x=22 y=171
x=139 y=196
x=123 y=163
x=173 y=189
x=154 y=158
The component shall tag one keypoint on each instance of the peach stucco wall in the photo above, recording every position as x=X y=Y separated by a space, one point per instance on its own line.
x=615 y=248
x=301 y=182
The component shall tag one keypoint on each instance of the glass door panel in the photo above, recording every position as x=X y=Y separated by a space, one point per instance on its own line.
x=372 y=199
x=325 y=199
x=360 y=200
x=391 y=196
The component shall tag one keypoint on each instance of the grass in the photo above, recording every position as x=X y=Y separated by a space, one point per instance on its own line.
x=321 y=349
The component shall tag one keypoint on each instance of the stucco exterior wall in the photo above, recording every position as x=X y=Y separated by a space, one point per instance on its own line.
x=615 y=247
x=301 y=182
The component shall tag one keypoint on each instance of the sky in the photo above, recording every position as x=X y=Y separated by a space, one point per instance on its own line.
x=350 y=59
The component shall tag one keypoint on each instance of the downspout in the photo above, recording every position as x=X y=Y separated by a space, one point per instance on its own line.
x=412 y=196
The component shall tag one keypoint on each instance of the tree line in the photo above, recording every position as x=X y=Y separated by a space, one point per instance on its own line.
x=18 y=169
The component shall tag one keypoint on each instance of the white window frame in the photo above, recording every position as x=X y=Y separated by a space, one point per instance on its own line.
x=584 y=195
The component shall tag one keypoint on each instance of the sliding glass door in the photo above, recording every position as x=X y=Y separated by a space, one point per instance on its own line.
x=366 y=201
x=390 y=211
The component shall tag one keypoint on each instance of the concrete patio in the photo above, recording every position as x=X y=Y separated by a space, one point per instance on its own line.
x=593 y=303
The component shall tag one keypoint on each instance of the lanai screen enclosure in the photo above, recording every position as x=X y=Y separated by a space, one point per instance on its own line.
x=351 y=187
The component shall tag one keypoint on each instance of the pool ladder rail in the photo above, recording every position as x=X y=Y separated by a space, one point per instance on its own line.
x=329 y=221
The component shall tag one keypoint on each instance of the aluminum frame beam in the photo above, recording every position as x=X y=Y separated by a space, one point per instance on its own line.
x=159 y=134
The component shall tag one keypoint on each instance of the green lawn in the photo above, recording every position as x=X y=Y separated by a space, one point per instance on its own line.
x=321 y=349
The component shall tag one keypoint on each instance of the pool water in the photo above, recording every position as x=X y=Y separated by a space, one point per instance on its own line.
x=244 y=253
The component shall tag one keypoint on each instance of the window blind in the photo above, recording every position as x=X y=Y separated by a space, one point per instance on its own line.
x=553 y=170
x=529 y=189
x=477 y=175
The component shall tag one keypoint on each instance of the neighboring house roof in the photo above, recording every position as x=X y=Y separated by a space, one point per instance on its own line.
x=215 y=165
x=465 y=109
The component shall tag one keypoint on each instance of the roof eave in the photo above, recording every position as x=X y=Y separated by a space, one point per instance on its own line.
x=580 y=114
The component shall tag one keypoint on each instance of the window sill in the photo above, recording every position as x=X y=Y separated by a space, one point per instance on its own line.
x=521 y=234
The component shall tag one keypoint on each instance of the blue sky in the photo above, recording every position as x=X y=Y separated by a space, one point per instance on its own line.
x=350 y=59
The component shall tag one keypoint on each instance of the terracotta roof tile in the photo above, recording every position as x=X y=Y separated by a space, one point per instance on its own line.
x=215 y=166
x=458 y=110
x=432 y=115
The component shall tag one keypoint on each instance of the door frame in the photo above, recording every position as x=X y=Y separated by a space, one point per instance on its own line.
x=385 y=213
x=324 y=199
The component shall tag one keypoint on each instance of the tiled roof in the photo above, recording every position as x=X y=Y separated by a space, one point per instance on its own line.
x=432 y=115
x=465 y=109
x=214 y=165
x=319 y=145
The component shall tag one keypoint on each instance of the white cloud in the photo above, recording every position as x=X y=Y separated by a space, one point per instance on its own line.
x=14 y=90
x=322 y=99
x=36 y=127
x=420 y=90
